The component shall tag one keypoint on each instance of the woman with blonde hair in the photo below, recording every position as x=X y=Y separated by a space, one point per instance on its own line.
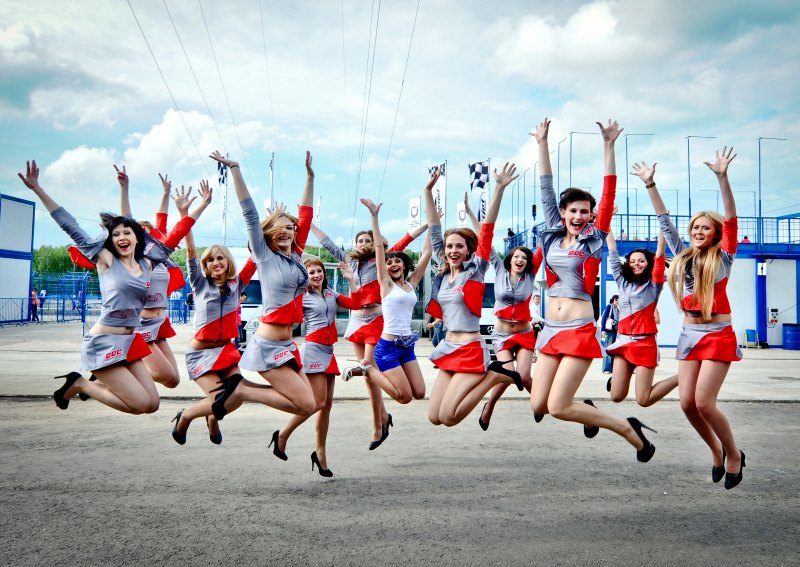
x=276 y=245
x=320 y=304
x=573 y=247
x=698 y=278
x=465 y=375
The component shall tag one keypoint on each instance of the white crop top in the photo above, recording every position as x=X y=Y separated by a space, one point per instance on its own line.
x=398 y=307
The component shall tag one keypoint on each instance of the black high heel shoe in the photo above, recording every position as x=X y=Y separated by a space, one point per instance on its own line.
x=718 y=472
x=608 y=384
x=645 y=453
x=215 y=439
x=499 y=367
x=733 y=480
x=384 y=434
x=276 y=450
x=590 y=431
x=58 y=395
x=83 y=397
x=225 y=391
x=322 y=472
x=537 y=417
x=180 y=438
x=484 y=424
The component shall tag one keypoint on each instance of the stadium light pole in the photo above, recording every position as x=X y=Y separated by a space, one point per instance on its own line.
x=570 y=150
x=689 y=165
x=628 y=186
x=558 y=177
x=758 y=220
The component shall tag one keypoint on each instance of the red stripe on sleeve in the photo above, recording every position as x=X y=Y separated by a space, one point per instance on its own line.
x=181 y=229
x=402 y=244
x=304 y=216
x=247 y=271
x=730 y=234
x=606 y=208
x=161 y=222
x=659 y=266
x=485 y=241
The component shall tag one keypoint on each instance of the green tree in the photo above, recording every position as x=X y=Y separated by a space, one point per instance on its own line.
x=53 y=259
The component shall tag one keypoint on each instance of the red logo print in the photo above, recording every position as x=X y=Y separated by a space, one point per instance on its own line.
x=576 y=253
x=315 y=366
x=113 y=354
x=282 y=355
x=198 y=370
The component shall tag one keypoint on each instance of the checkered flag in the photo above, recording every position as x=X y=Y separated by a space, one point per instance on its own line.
x=478 y=175
x=439 y=188
x=223 y=173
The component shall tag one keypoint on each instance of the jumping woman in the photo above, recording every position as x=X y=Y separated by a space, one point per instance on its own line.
x=320 y=304
x=640 y=281
x=573 y=246
x=513 y=337
x=698 y=279
x=465 y=375
x=276 y=245
x=366 y=324
x=124 y=257
x=400 y=376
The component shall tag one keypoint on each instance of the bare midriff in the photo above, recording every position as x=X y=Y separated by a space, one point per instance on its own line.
x=198 y=344
x=98 y=329
x=153 y=312
x=368 y=310
x=512 y=326
x=461 y=337
x=568 y=308
x=715 y=318
x=275 y=332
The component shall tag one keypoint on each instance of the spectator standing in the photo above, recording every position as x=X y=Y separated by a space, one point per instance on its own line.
x=608 y=328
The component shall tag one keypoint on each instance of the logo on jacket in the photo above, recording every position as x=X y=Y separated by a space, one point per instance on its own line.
x=578 y=253
x=198 y=370
x=282 y=355
x=458 y=289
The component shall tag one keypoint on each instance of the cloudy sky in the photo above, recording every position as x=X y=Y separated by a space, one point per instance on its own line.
x=80 y=91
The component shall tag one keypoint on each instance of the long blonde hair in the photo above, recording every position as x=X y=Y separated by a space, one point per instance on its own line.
x=213 y=250
x=704 y=263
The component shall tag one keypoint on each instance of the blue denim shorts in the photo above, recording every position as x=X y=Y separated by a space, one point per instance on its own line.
x=391 y=354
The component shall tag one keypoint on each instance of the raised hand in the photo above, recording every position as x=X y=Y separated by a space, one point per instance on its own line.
x=506 y=176
x=723 y=160
x=166 y=183
x=611 y=131
x=346 y=270
x=122 y=177
x=644 y=172
x=309 y=170
x=541 y=131
x=373 y=208
x=183 y=200
x=280 y=207
x=31 y=177
x=216 y=156
x=205 y=192
x=434 y=178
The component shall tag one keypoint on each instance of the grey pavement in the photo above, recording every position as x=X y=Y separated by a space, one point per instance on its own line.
x=30 y=355
x=91 y=486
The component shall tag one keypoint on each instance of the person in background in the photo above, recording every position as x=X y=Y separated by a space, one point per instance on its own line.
x=608 y=330
x=34 y=316
x=746 y=240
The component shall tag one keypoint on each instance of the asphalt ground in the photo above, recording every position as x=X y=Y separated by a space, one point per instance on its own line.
x=90 y=486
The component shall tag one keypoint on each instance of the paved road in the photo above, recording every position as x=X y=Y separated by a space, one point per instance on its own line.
x=90 y=486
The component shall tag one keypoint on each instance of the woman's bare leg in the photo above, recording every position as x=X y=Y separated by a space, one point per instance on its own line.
x=648 y=393
x=162 y=367
x=319 y=386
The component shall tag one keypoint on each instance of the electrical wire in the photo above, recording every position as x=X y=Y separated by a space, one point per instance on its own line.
x=269 y=97
x=399 y=97
x=346 y=126
x=166 y=85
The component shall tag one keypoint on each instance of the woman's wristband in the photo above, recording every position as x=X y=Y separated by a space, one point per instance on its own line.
x=650 y=185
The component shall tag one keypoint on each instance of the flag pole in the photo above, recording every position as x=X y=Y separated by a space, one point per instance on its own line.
x=224 y=174
x=271 y=182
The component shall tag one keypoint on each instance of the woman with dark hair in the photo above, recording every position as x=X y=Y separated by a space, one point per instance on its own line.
x=640 y=281
x=698 y=279
x=320 y=304
x=513 y=337
x=573 y=247
x=465 y=375
x=276 y=244
x=400 y=376
x=365 y=325
x=124 y=257
x=155 y=326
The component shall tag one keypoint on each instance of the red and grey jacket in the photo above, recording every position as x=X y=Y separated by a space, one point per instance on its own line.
x=215 y=311
x=728 y=246
x=637 y=300
x=365 y=271
x=572 y=272
x=459 y=302
x=319 y=310
x=283 y=278
x=512 y=302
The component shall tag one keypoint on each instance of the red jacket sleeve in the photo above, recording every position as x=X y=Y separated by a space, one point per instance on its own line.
x=352 y=301
x=485 y=241
x=161 y=222
x=606 y=208
x=402 y=244
x=659 y=266
x=730 y=231
x=247 y=271
x=304 y=216
x=181 y=229
x=538 y=256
